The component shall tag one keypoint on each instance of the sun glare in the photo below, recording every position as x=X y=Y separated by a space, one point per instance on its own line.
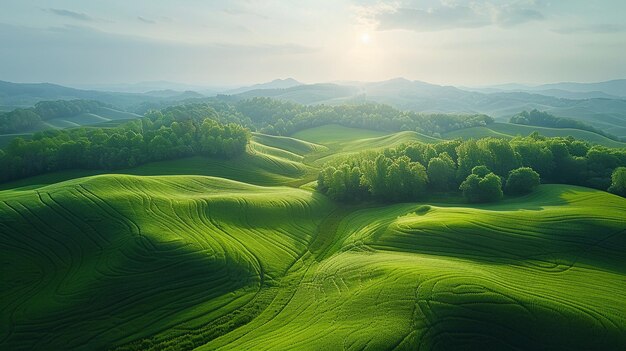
x=365 y=38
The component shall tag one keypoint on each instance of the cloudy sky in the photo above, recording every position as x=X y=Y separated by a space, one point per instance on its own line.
x=247 y=41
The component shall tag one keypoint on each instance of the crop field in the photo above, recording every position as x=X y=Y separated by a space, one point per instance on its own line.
x=209 y=254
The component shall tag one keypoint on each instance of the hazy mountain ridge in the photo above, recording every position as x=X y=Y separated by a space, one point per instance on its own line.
x=16 y=95
x=596 y=107
x=274 y=84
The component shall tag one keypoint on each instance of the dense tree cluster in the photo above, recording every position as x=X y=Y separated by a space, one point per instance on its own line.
x=482 y=185
x=20 y=120
x=522 y=181
x=545 y=119
x=481 y=169
x=618 y=182
x=153 y=138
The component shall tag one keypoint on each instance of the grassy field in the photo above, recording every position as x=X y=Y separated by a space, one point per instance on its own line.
x=260 y=165
x=334 y=133
x=212 y=254
x=147 y=253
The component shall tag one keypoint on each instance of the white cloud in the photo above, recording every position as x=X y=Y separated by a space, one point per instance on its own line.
x=449 y=15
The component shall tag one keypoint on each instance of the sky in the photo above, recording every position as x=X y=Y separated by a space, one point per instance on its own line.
x=220 y=43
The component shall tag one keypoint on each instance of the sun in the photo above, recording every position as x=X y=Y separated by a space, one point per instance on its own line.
x=365 y=38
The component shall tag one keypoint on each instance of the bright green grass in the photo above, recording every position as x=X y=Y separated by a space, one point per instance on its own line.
x=182 y=262
x=296 y=146
x=260 y=165
x=509 y=130
x=99 y=261
x=539 y=272
x=390 y=140
x=334 y=133
x=343 y=141
x=347 y=148
x=215 y=264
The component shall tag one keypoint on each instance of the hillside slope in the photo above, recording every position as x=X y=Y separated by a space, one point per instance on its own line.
x=189 y=262
x=509 y=130
x=149 y=253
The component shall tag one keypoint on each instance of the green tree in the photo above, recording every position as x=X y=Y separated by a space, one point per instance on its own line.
x=405 y=180
x=441 y=172
x=481 y=171
x=478 y=188
x=374 y=175
x=618 y=182
x=471 y=154
x=522 y=180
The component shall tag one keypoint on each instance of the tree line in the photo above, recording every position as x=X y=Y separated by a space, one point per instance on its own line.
x=545 y=119
x=153 y=138
x=277 y=117
x=483 y=170
x=265 y=115
x=26 y=119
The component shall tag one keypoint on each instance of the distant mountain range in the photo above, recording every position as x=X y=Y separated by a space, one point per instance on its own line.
x=275 y=84
x=613 y=89
x=602 y=104
x=15 y=95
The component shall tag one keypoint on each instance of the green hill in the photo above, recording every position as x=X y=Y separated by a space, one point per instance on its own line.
x=296 y=146
x=204 y=262
x=390 y=140
x=334 y=133
x=103 y=115
x=149 y=253
x=213 y=254
x=260 y=164
x=509 y=130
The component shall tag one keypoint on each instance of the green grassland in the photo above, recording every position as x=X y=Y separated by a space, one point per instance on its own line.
x=130 y=256
x=340 y=141
x=261 y=164
x=237 y=254
x=335 y=133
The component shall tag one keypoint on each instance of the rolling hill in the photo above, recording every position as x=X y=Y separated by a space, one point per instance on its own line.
x=200 y=248
x=509 y=130
x=101 y=117
x=106 y=115
x=241 y=254
x=268 y=160
x=599 y=104
x=200 y=262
